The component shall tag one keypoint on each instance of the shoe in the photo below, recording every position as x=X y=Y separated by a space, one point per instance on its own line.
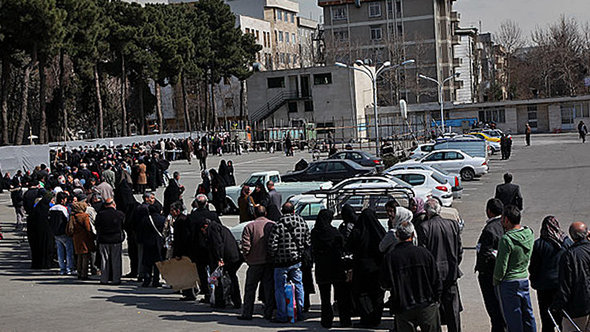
x=242 y=317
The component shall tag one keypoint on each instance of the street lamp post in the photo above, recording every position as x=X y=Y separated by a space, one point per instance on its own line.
x=440 y=95
x=373 y=77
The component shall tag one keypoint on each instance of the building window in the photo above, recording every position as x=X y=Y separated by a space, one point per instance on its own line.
x=532 y=115
x=400 y=29
x=292 y=107
x=376 y=34
x=280 y=36
x=389 y=6
x=294 y=59
x=292 y=18
x=308 y=105
x=279 y=15
x=287 y=16
x=492 y=115
x=287 y=58
x=282 y=58
x=375 y=9
x=322 y=79
x=398 y=7
x=339 y=13
x=341 y=35
x=294 y=38
x=275 y=82
x=286 y=37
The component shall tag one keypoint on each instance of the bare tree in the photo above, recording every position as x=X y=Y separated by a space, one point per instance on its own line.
x=510 y=36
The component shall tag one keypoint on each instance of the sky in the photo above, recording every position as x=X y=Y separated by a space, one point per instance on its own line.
x=527 y=13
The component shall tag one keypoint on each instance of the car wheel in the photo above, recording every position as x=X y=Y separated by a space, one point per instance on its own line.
x=467 y=174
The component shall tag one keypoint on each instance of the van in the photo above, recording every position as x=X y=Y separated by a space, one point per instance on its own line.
x=473 y=146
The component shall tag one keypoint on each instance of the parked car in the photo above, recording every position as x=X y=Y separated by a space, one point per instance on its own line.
x=472 y=145
x=494 y=142
x=421 y=150
x=454 y=179
x=360 y=157
x=454 y=161
x=421 y=192
x=441 y=189
x=286 y=189
x=328 y=170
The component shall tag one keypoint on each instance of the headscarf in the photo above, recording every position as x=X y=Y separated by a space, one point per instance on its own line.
x=79 y=207
x=370 y=227
x=402 y=214
x=419 y=203
x=324 y=220
x=273 y=213
x=348 y=214
x=551 y=232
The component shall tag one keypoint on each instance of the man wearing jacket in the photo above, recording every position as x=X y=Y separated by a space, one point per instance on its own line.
x=109 y=236
x=573 y=295
x=254 y=247
x=487 y=249
x=509 y=193
x=58 y=219
x=510 y=272
x=410 y=272
x=442 y=238
x=288 y=239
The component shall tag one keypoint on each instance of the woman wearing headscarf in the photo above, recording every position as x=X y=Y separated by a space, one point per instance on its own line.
x=544 y=267
x=205 y=186
x=230 y=169
x=364 y=245
x=348 y=220
x=40 y=235
x=224 y=172
x=327 y=245
x=246 y=205
x=417 y=208
x=217 y=191
x=260 y=195
x=83 y=238
x=390 y=240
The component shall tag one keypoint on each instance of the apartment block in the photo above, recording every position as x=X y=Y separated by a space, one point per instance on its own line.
x=395 y=30
x=467 y=65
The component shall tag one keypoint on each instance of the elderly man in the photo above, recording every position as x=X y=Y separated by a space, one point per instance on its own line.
x=442 y=238
x=573 y=295
x=254 y=247
x=412 y=273
x=109 y=236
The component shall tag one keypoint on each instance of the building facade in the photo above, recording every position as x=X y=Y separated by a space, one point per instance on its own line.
x=326 y=96
x=467 y=65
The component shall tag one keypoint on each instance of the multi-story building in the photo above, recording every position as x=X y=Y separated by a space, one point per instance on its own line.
x=467 y=65
x=493 y=61
x=395 y=30
x=262 y=32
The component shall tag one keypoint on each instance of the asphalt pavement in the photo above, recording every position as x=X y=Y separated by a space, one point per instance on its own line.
x=551 y=173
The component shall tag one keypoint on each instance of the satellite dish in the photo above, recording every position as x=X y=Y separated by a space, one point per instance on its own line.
x=403 y=107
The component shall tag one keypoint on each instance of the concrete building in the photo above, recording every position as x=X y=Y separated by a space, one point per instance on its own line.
x=467 y=64
x=395 y=30
x=262 y=32
x=493 y=69
x=326 y=96
x=307 y=43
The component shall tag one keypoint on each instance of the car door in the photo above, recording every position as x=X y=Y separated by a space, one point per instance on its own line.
x=433 y=158
x=337 y=171
x=453 y=161
x=315 y=172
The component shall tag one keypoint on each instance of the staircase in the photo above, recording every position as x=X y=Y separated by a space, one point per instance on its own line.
x=272 y=105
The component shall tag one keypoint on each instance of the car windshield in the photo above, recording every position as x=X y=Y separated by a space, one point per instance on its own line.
x=253 y=180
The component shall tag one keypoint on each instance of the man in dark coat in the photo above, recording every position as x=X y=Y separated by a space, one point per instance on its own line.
x=199 y=251
x=573 y=295
x=152 y=241
x=182 y=241
x=509 y=193
x=172 y=193
x=411 y=273
x=109 y=236
x=442 y=238
x=487 y=248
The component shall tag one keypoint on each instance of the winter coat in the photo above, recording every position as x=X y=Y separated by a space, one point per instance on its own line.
x=142 y=175
x=441 y=237
x=574 y=281
x=83 y=236
x=544 y=267
x=288 y=238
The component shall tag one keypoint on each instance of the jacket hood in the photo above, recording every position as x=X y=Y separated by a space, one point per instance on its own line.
x=523 y=237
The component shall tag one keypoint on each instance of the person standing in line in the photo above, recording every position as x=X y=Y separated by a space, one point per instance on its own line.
x=411 y=274
x=527 y=132
x=442 y=238
x=288 y=239
x=275 y=197
x=510 y=272
x=141 y=177
x=181 y=241
x=504 y=147
x=509 y=193
x=231 y=176
x=152 y=241
x=245 y=204
x=172 y=193
x=487 y=249
x=16 y=196
x=202 y=155
x=39 y=234
x=544 y=268
x=58 y=219
x=254 y=247
x=327 y=250
x=83 y=238
x=583 y=131
x=109 y=236
x=573 y=295
x=218 y=191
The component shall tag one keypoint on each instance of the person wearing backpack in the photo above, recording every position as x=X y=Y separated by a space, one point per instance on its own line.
x=58 y=219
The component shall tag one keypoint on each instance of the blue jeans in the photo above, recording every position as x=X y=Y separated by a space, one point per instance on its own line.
x=516 y=305
x=282 y=276
x=65 y=253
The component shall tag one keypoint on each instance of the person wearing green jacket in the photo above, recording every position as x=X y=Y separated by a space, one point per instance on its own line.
x=511 y=272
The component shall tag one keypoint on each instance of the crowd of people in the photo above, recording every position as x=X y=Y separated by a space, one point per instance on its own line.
x=81 y=212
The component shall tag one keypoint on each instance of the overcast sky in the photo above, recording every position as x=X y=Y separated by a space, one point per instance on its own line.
x=528 y=13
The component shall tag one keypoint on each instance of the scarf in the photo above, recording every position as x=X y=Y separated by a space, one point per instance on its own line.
x=551 y=232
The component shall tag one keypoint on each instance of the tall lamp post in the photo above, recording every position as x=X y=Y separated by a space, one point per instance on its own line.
x=373 y=77
x=440 y=94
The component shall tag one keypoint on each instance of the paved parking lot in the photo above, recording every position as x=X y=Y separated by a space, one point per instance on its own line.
x=552 y=174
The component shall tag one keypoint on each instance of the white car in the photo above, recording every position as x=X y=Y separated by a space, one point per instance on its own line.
x=421 y=150
x=455 y=161
x=441 y=189
x=453 y=178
